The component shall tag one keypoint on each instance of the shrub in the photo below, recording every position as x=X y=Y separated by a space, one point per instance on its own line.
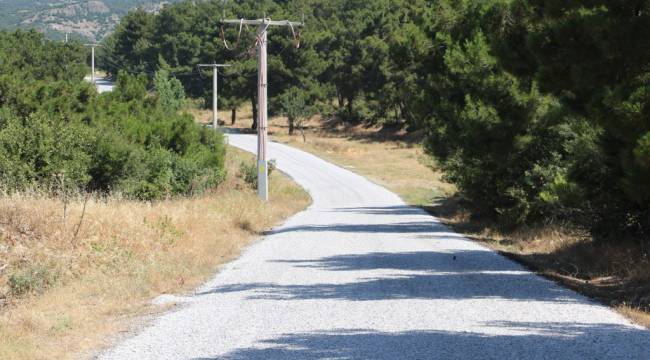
x=248 y=172
x=169 y=92
x=57 y=132
x=42 y=150
x=33 y=278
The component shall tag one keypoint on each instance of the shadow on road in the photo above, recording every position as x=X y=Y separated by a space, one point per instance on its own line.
x=449 y=286
x=460 y=261
x=400 y=227
x=467 y=274
x=534 y=341
x=383 y=210
x=450 y=274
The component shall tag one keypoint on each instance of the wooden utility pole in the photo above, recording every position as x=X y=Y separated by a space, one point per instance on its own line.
x=215 y=86
x=92 y=61
x=262 y=114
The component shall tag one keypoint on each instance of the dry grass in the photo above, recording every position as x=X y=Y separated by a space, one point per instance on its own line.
x=80 y=290
x=617 y=274
x=204 y=116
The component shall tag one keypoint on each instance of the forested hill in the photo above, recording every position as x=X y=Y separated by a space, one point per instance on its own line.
x=85 y=20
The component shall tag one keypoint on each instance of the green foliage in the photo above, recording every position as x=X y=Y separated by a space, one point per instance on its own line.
x=607 y=82
x=185 y=34
x=496 y=137
x=39 y=150
x=170 y=92
x=56 y=131
x=30 y=279
x=248 y=172
x=295 y=108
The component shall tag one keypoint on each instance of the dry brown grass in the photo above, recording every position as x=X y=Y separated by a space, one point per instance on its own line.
x=204 y=116
x=90 y=287
x=616 y=274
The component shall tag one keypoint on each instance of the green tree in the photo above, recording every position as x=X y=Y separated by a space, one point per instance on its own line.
x=606 y=82
x=169 y=91
x=296 y=109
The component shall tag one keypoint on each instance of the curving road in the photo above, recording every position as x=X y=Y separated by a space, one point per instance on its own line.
x=360 y=275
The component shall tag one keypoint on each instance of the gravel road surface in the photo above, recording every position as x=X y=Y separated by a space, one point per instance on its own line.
x=360 y=275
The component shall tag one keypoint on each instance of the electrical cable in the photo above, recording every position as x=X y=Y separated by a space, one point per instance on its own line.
x=223 y=36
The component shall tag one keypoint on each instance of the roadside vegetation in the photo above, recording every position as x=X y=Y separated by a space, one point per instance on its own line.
x=58 y=135
x=107 y=201
x=76 y=273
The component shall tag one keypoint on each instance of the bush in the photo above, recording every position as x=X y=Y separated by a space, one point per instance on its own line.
x=40 y=150
x=248 y=172
x=497 y=139
x=55 y=131
x=170 y=92
x=33 y=278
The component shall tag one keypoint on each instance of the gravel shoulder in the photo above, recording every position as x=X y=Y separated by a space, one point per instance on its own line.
x=361 y=275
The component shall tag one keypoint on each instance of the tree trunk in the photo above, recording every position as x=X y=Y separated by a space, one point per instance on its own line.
x=291 y=125
x=233 y=116
x=350 y=107
x=406 y=115
x=254 y=104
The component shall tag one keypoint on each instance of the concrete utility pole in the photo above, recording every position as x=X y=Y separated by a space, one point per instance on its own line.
x=215 y=86
x=262 y=163
x=92 y=61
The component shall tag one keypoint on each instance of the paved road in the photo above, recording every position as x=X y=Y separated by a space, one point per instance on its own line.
x=360 y=275
x=103 y=84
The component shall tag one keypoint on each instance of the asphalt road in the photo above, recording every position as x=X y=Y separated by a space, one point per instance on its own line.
x=103 y=84
x=360 y=275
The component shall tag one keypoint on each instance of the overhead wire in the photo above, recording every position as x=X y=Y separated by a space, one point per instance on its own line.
x=223 y=36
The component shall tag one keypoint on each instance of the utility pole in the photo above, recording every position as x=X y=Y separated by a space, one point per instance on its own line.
x=262 y=114
x=92 y=61
x=215 y=86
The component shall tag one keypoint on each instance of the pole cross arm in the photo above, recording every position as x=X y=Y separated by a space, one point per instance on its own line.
x=264 y=22
x=213 y=65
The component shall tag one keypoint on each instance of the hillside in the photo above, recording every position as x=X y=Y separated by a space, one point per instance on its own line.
x=86 y=20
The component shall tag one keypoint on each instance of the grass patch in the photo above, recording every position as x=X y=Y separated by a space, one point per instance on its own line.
x=61 y=295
